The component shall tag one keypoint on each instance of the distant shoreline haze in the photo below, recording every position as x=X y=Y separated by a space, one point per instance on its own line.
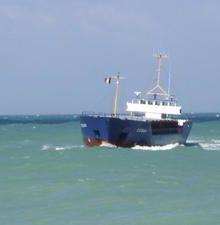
x=64 y=118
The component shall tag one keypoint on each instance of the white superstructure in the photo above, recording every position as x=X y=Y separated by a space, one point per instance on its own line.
x=153 y=109
x=158 y=104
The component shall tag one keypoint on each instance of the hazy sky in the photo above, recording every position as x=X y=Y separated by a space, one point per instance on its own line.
x=54 y=54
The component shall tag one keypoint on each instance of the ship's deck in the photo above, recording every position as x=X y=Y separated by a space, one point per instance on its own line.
x=131 y=117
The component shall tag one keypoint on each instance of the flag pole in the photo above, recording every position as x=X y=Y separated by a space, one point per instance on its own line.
x=118 y=78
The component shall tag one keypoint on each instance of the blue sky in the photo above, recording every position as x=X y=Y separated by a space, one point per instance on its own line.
x=54 y=55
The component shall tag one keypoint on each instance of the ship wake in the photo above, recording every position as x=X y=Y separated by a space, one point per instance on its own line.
x=156 y=148
x=213 y=145
x=144 y=148
x=107 y=145
x=209 y=145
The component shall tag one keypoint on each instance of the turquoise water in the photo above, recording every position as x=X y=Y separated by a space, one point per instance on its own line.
x=48 y=177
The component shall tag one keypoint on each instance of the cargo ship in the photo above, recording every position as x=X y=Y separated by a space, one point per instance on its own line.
x=155 y=120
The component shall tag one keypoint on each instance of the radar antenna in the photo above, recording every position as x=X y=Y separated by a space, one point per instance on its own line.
x=137 y=94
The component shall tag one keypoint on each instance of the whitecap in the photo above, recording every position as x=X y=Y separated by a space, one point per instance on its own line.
x=67 y=147
x=108 y=145
x=213 y=144
x=217 y=141
x=210 y=146
x=46 y=147
x=61 y=148
x=156 y=148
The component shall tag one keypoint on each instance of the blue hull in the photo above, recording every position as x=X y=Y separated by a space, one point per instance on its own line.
x=128 y=132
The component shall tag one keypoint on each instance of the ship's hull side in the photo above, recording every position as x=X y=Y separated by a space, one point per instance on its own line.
x=128 y=133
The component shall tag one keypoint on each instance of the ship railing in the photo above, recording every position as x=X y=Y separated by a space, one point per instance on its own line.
x=111 y=115
x=130 y=117
x=103 y=114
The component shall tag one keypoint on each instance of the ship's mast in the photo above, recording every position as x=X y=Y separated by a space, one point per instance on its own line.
x=158 y=90
x=169 y=80
x=117 y=78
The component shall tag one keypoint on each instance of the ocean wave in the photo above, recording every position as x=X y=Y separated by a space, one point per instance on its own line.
x=61 y=148
x=210 y=145
x=213 y=145
x=145 y=148
x=38 y=119
x=217 y=141
x=156 y=148
x=108 y=145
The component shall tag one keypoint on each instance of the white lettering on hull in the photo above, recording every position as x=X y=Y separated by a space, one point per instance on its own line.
x=141 y=130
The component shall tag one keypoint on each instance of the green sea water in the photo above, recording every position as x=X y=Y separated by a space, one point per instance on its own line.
x=48 y=177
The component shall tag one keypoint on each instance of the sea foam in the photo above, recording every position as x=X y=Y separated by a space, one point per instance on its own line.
x=60 y=148
x=108 y=145
x=210 y=145
x=144 y=148
x=156 y=148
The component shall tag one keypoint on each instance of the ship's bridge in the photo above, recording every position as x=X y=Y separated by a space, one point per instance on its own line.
x=159 y=103
x=154 y=108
